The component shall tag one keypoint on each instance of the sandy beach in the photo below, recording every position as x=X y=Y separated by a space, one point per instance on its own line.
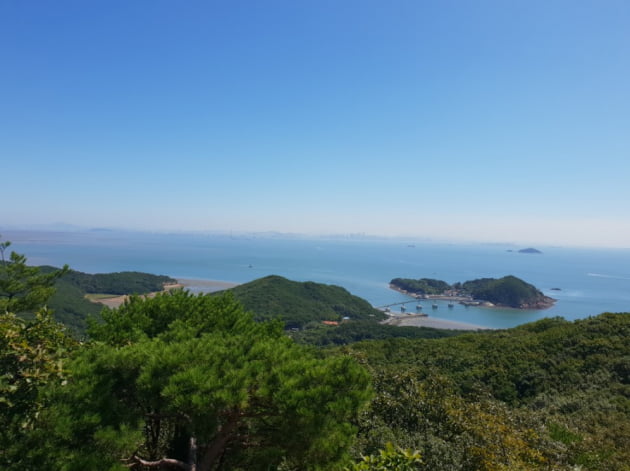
x=424 y=321
x=194 y=286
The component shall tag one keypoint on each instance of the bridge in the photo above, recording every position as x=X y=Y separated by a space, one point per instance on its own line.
x=382 y=308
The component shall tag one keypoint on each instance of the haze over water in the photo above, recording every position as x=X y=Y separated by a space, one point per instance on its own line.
x=591 y=281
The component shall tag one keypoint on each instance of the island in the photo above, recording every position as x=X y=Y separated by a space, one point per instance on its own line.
x=508 y=291
x=530 y=250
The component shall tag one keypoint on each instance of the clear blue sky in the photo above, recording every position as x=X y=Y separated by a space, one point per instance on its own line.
x=472 y=120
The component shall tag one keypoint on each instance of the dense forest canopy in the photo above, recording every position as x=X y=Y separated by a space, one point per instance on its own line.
x=127 y=282
x=548 y=395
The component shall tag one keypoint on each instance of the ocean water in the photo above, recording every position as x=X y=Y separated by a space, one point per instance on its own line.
x=591 y=281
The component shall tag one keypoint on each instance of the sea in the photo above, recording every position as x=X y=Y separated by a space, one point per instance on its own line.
x=585 y=282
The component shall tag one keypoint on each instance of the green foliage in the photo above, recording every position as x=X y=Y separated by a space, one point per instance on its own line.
x=421 y=286
x=389 y=459
x=128 y=282
x=180 y=373
x=507 y=291
x=23 y=288
x=32 y=356
x=72 y=308
x=297 y=304
x=349 y=332
x=548 y=395
x=423 y=411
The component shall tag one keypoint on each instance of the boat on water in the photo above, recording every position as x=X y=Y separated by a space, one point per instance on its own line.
x=434 y=306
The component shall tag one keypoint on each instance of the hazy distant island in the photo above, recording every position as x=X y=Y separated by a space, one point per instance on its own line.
x=528 y=250
x=508 y=291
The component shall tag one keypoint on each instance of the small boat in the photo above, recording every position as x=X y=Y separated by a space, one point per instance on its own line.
x=419 y=307
x=451 y=305
x=434 y=306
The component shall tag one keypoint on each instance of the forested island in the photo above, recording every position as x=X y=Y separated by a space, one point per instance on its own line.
x=508 y=291
x=200 y=382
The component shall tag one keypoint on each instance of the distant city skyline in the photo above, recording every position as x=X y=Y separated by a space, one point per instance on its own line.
x=489 y=121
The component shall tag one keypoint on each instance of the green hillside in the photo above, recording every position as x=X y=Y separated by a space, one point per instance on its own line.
x=298 y=303
x=507 y=291
x=548 y=395
x=70 y=305
x=118 y=283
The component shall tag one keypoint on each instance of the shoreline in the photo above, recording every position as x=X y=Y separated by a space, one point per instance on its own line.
x=434 y=323
x=470 y=301
x=195 y=285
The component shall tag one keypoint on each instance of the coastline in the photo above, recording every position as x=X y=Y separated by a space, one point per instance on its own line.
x=545 y=303
x=193 y=285
x=197 y=286
x=424 y=321
x=204 y=286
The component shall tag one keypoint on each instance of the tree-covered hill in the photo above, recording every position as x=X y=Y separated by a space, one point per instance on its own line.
x=70 y=305
x=508 y=291
x=118 y=283
x=548 y=395
x=298 y=303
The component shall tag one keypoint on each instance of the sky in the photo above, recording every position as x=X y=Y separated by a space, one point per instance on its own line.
x=452 y=120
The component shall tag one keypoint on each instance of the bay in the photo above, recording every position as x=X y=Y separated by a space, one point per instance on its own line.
x=590 y=281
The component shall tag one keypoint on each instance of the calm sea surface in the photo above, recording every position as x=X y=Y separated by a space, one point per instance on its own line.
x=590 y=281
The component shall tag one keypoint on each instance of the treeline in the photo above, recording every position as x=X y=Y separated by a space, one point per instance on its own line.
x=356 y=331
x=119 y=283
